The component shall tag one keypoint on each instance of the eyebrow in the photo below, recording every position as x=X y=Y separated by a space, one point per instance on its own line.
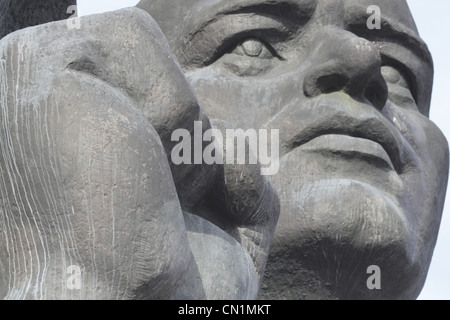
x=291 y=10
x=390 y=30
x=290 y=15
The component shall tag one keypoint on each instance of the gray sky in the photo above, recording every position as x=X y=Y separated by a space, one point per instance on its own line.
x=432 y=20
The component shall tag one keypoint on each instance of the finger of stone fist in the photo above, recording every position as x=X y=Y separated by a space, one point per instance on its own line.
x=130 y=52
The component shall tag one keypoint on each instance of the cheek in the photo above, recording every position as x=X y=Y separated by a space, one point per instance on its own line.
x=245 y=102
x=424 y=136
x=428 y=181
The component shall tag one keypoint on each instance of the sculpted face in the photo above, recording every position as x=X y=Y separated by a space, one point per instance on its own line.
x=363 y=170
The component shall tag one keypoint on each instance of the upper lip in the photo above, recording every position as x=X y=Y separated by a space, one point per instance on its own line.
x=386 y=140
x=371 y=126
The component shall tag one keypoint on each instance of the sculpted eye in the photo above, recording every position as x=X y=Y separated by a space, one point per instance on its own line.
x=250 y=57
x=254 y=48
x=393 y=76
x=400 y=91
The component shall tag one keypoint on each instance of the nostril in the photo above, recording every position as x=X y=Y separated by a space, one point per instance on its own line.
x=377 y=93
x=331 y=83
x=324 y=82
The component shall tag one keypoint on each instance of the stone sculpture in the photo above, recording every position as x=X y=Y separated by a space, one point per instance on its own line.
x=87 y=117
x=86 y=136
x=363 y=170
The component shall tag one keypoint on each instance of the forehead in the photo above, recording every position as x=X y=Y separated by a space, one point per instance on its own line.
x=397 y=10
x=170 y=13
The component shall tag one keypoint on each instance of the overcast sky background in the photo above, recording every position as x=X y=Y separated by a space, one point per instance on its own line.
x=432 y=20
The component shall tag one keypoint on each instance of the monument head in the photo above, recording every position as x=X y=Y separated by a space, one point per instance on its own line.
x=363 y=170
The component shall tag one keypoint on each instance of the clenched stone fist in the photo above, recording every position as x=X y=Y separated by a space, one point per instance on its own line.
x=86 y=122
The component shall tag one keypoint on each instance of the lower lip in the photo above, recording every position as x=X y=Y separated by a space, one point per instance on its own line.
x=350 y=147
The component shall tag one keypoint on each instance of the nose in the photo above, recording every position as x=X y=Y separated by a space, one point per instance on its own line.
x=344 y=62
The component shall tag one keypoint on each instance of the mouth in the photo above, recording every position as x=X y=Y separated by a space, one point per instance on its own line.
x=372 y=138
x=333 y=145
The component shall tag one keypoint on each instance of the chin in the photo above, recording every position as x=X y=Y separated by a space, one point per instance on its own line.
x=331 y=231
